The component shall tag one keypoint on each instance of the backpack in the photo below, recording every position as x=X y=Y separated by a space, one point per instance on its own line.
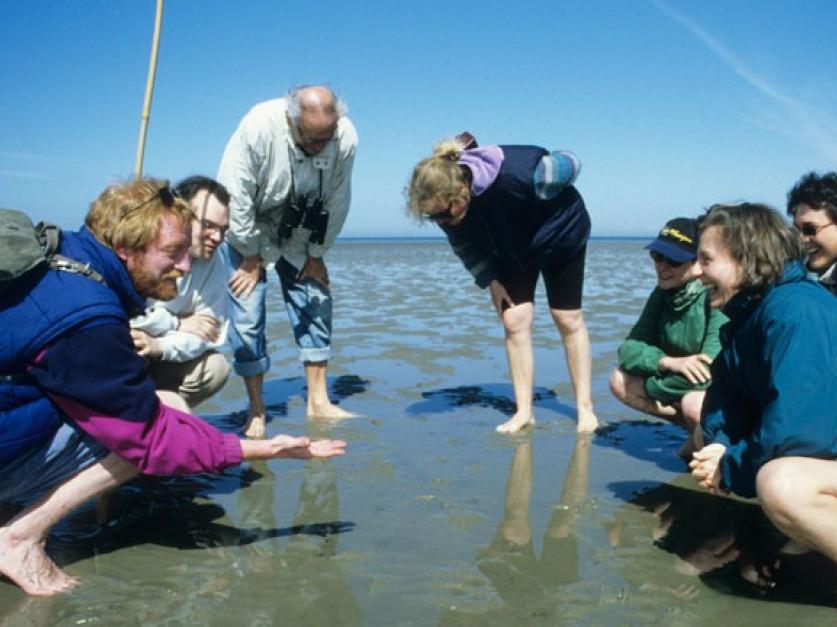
x=26 y=249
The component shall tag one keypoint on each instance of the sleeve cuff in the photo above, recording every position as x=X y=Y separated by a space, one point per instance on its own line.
x=232 y=450
x=484 y=278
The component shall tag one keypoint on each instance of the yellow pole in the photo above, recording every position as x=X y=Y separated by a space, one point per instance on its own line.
x=149 y=89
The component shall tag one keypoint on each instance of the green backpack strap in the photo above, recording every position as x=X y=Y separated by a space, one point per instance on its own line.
x=25 y=248
x=49 y=236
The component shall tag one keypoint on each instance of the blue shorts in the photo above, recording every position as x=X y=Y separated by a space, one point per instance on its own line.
x=44 y=466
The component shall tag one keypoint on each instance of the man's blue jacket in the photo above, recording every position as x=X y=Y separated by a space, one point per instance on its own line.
x=38 y=311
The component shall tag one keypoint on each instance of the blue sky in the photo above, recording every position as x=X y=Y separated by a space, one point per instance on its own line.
x=671 y=106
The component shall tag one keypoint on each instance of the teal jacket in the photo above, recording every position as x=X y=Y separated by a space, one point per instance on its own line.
x=674 y=323
x=774 y=385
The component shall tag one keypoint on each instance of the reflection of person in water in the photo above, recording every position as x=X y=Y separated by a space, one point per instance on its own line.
x=728 y=542
x=307 y=572
x=509 y=562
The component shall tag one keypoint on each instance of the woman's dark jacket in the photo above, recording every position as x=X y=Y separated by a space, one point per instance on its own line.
x=508 y=225
x=774 y=384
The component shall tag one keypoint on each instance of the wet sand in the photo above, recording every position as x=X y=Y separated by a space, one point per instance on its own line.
x=432 y=518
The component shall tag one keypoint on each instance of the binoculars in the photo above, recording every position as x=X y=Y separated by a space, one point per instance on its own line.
x=306 y=214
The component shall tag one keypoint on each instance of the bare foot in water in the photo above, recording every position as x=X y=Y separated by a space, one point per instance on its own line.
x=516 y=423
x=587 y=421
x=26 y=563
x=327 y=411
x=255 y=427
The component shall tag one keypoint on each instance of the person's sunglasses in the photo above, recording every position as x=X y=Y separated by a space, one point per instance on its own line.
x=447 y=214
x=167 y=196
x=810 y=230
x=663 y=259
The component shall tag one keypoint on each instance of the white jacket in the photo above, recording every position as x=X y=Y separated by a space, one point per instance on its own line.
x=202 y=291
x=256 y=169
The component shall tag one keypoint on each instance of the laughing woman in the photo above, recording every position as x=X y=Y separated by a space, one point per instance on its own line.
x=511 y=214
x=770 y=415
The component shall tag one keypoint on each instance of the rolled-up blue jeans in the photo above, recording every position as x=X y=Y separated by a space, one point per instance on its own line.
x=309 y=308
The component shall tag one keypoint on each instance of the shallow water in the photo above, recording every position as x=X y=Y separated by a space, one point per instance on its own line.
x=432 y=518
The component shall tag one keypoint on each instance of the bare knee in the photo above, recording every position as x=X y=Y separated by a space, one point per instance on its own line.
x=517 y=320
x=691 y=406
x=568 y=321
x=618 y=385
x=780 y=488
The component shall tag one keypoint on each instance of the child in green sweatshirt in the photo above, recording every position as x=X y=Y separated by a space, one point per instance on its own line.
x=664 y=362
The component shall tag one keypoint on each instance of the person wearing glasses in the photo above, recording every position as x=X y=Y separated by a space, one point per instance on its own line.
x=181 y=337
x=511 y=214
x=78 y=411
x=664 y=362
x=288 y=168
x=770 y=415
x=812 y=205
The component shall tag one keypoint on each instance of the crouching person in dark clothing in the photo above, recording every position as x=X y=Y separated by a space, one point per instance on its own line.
x=770 y=415
x=78 y=413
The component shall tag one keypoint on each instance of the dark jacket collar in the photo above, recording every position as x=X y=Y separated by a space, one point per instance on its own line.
x=740 y=306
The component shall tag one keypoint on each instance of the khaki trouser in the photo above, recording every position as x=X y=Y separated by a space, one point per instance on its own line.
x=195 y=380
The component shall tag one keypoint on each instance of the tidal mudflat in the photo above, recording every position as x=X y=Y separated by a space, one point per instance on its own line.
x=432 y=518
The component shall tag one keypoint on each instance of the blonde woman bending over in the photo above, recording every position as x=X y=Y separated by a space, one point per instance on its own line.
x=511 y=214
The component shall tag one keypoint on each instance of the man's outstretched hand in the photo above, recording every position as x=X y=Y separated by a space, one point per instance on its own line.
x=286 y=446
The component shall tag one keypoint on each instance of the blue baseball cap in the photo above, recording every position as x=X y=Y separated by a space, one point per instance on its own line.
x=677 y=240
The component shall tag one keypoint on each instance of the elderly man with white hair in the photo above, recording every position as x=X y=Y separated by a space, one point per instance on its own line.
x=288 y=169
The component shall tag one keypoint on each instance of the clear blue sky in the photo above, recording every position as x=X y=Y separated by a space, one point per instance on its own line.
x=671 y=106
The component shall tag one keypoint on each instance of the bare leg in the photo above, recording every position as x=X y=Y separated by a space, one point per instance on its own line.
x=574 y=492
x=690 y=407
x=573 y=332
x=319 y=405
x=799 y=495
x=630 y=389
x=517 y=324
x=22 y=540
x=515 y=527
x=255 y=427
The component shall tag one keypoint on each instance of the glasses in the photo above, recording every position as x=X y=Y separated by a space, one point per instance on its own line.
x=167 y=196
x=447 y=214
x=810 y=230
x=209 y=225
x=658 y=258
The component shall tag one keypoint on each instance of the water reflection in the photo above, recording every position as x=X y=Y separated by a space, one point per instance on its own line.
x=530 y=586
x=277 y=393
x=731 y=546
x=492 y=396
x=302 y=583
x=651 y=440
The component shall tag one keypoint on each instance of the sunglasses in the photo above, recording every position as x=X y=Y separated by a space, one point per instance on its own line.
x=167 y=196
x=447 y=214
x=810 y=230
x=657 y=257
